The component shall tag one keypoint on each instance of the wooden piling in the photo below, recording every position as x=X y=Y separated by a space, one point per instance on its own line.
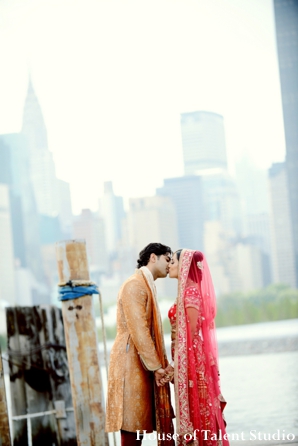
x=82 y=347
x=39 y=378
x=52 y=333
x=4 y=422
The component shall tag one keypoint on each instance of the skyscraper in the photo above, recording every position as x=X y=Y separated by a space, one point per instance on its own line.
x=286 y=21
x=7 y=274
x=252 y=183
x=15 y=169
x=41 y=163
x=283 y=255
x=112 y=211
x=33 y=123
x=186 y=193
x=203 y=141
x=221 y=200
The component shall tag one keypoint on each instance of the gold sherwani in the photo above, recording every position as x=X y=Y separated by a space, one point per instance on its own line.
x=130 y=401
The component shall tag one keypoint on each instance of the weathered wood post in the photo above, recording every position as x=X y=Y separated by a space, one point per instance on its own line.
x=55 y=359
x=4 y=423
x=82 y=346
x=29 y=380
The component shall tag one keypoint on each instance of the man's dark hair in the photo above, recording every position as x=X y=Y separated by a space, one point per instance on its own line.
x=153 y=248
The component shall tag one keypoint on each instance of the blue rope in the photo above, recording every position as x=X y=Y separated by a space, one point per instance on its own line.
x=70 y=292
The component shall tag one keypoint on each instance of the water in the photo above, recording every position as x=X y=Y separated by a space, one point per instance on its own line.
x=262 y=330
x=261 y=391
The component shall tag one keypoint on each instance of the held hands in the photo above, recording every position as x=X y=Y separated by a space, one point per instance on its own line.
x=163 y=376
x=169 y=374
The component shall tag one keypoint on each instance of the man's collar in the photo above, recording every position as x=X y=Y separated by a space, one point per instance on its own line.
x=148 y=272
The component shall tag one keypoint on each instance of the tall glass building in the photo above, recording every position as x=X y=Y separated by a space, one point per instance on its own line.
x=203 y=141
x=186 y=193
x=286 y=21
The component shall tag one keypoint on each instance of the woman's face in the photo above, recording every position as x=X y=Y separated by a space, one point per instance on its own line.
x=173 y=267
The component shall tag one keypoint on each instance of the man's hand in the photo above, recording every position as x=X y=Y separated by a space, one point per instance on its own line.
x=158 y=375
x=168 y=376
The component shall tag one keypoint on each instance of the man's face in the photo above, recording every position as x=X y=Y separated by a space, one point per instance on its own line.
x=162 y=265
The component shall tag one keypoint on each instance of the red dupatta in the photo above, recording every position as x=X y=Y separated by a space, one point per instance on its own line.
x=190 y=408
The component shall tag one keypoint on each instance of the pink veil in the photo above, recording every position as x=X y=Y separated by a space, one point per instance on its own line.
x=193 y=267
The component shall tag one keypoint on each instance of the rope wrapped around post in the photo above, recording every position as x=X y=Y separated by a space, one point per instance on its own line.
x=76 y=288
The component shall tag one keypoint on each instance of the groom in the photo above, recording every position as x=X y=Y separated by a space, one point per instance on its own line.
x=138 y=354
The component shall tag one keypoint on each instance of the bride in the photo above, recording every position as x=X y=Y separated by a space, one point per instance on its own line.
x=194 y=366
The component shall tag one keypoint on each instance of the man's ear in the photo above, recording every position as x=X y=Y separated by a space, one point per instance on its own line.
x=152 y=257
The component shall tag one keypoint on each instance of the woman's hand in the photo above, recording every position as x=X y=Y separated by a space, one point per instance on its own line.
x=169 y=369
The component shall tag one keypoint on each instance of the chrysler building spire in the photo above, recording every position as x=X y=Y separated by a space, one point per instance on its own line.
x=33 y=123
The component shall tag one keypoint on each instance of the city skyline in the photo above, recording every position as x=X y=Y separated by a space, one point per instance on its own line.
x=203 y=211
x=105 y=108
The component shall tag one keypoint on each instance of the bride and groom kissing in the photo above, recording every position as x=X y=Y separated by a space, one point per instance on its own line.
x=139 y=397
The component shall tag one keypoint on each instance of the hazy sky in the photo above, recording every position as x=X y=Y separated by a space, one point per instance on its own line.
x=112 y=78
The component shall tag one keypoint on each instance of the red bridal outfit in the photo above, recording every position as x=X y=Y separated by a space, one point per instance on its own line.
x=199 y=403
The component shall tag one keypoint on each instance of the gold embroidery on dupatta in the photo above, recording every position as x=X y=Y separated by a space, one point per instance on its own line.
x=181 y=371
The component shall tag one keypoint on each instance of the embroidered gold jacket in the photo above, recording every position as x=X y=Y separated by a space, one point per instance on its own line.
x=130 y=399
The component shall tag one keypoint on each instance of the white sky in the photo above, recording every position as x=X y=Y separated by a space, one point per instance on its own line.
x=112 y=78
